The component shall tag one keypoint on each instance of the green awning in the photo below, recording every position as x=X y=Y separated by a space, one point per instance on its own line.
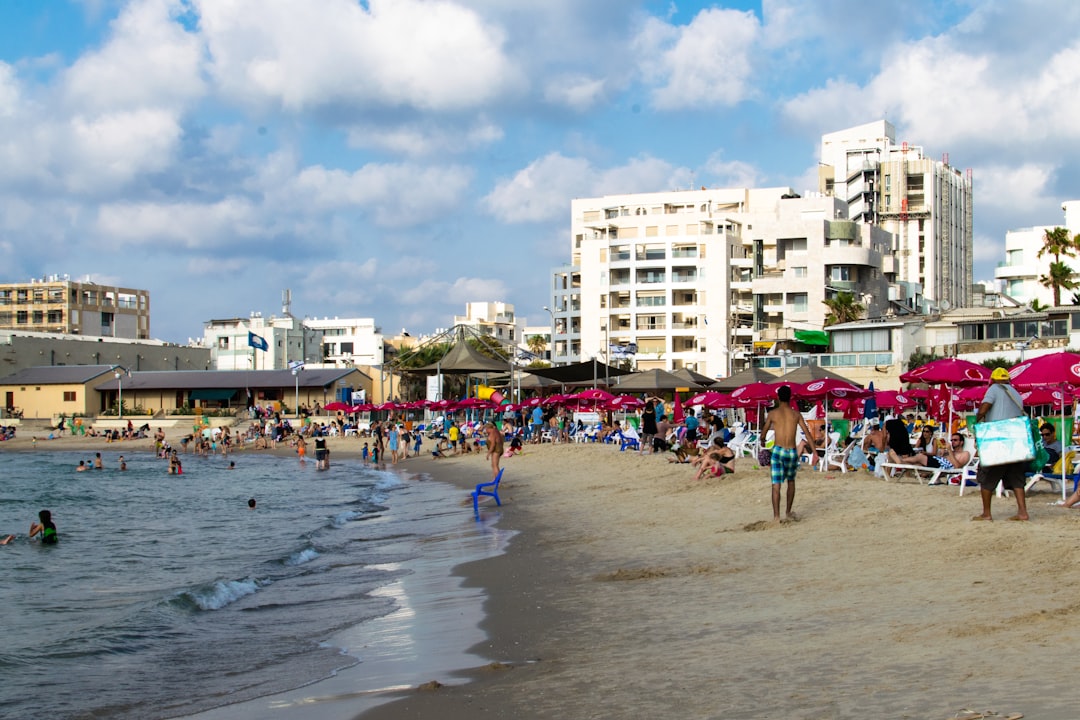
x=812 y=337
x=213 y=394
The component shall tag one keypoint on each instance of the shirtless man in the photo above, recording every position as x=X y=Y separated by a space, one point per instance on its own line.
x=783 y=421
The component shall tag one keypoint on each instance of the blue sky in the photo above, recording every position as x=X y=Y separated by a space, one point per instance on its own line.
x=396 y=159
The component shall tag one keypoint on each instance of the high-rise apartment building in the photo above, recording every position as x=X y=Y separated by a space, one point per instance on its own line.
x=924 y=203
x=58 y=304
x=654 y=270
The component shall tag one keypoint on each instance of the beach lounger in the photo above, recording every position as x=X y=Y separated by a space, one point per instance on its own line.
x=1061 y=478
x=931 y=475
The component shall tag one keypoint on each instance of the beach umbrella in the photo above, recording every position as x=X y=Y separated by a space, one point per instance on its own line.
x=829 y=386
x=594 y=395
x=755 y=392
x=894 y=399
x=336 y=406
x=625 y=402
x=869 y=410
x=474 y=403
x=677 y=414
x=1057 y=397
x=1060 y=369
x=952 y=371
x=706 y=398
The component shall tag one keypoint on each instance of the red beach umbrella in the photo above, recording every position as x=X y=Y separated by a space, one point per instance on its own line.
x=1061 y=368
x=625 y=402
x=594 y=395
x=952 y=371
x=755 y=392
x=706 y=398
x=829 y=386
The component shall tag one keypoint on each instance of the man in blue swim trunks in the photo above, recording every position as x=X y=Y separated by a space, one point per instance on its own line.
x=783 y=420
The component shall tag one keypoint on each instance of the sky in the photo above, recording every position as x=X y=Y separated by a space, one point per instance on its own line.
x=396 y=159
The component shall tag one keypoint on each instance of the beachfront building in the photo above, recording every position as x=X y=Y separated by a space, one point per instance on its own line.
x=347 y=342
x=1020 y=273
x=564 y=311
x=494 y=319
x=286 y=339
x=926 y=204
x=796 y=255
x=58 y=304
x=656 y=272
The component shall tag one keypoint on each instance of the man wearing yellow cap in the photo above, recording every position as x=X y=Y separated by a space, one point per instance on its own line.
x=1001 y=402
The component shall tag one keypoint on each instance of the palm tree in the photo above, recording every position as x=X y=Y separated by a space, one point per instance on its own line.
x=537 y=344
x=1058 y=242
x=842 y=309
x=1059 y=278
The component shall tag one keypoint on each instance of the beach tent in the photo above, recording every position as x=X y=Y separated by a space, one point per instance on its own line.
x=653 y=380
x=693 y=376
x=806 y=373
x=579 y=373
x=744 y=377
x=463 y=359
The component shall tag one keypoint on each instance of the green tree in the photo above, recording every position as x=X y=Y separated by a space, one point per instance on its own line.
x=842 y=309
x=537 y=344
x=1058 y=242
x=1059 y=278
x=918 y=359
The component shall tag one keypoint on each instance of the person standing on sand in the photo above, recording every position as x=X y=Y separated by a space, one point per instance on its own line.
x=1001 y=402
x=783 y=421
x=494 y=440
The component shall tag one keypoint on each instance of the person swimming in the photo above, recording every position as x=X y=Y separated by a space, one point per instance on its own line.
x=45 y=528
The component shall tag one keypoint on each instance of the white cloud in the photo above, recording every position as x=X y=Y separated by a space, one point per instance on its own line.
x=543 y=190
x=432 y=55
x=149 y=60
x=453 y=294
x=399 y=194
x=9 y=90
x=706 y=63
x=190 y=225
x=576 y=91
x=113 y=149
x=732 y=173
x=425 y=138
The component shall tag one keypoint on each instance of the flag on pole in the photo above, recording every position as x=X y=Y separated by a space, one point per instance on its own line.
x=259 y=343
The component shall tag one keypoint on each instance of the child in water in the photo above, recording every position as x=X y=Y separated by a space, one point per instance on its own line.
x=44 y=528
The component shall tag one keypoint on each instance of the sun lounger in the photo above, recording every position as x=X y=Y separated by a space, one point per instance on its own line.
x=932 y=475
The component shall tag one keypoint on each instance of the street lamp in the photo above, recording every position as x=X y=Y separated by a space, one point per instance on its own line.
x=552 y=314
x=296 y=379
x=784 y=355
x=119 y=372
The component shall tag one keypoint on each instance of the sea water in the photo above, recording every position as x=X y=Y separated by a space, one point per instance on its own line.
x=167 y=595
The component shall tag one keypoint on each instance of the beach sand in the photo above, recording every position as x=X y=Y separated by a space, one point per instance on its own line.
x=634 y=591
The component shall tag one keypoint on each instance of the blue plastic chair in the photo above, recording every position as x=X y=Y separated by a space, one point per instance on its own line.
x=493 y=492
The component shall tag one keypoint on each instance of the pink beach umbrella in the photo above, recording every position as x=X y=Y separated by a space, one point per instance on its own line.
x=625 y=402
x=706 y=398
x=755 y=392
x=594 y=395
x=890 y=399
x=829 y=386
x=1061 y=368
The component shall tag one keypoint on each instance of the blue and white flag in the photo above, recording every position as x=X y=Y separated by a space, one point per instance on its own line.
x=259 y=343
x=296 y=364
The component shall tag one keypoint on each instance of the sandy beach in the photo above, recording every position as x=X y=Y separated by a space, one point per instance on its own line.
x=634 y=591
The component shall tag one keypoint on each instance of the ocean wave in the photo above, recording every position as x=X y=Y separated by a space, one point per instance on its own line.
x=218 y=594
x=304 y=556
x=340 y=519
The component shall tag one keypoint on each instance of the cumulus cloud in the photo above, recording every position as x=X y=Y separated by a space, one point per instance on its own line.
x=733 y=173
x=190 y=225
x=425 y=138
x=453 y=294
x=706 y=63
x=542 y=191
x=576 y=91
x=149 y=60
x=428 y=55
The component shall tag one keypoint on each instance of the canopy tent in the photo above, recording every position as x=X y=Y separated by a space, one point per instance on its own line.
x=463 y=359
x=693 y=376
x=744 y=377
x=812 y=372
x=577 y=373
x=654 y=380
x=535 y=382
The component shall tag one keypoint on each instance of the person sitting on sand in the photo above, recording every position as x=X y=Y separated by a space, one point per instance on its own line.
x=899 y=443
x=719 y=459
x=441 y=448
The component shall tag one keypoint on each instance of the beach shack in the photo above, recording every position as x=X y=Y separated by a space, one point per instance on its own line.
x=48 y=391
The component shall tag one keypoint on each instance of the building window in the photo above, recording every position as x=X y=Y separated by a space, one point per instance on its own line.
x=22 y=317
x=799 y=302
x=69 y=396
x=799 y=272
x=39 y=317
x=861 y=341
x=56 y=316
x=346 y=348
x=223 y=343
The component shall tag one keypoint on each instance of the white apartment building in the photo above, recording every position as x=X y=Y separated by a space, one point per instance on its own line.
x=924 y=203
x=1019 y=275
x=797 y=254
x=286 y=340
x=495 y=319
x=347 y=341
x=654 y=269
